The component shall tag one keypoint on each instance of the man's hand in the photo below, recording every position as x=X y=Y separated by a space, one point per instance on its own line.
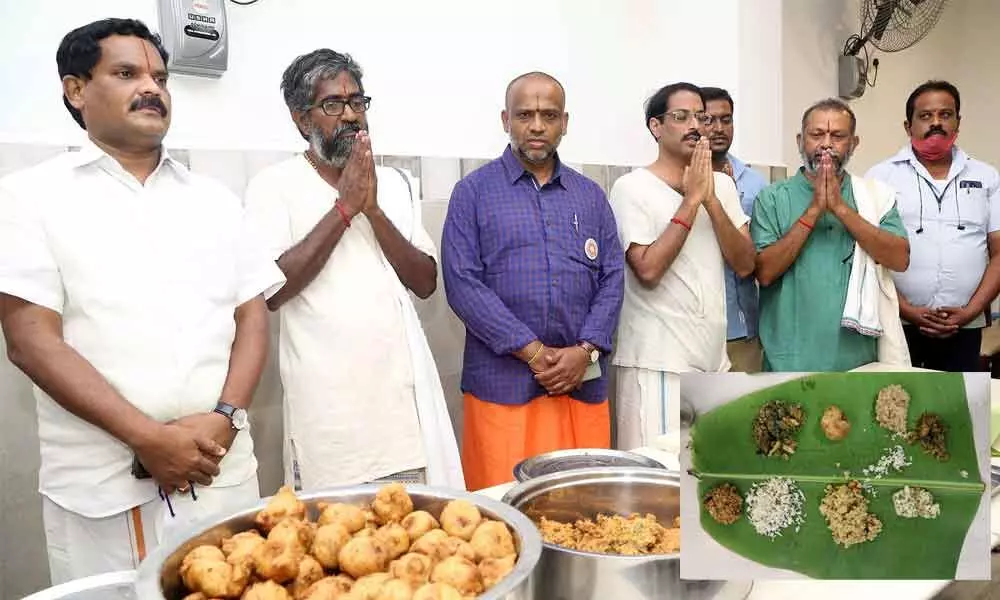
x=930 y=322
x=214 y=426
x=699 y=180
x=831 y=185
x=354 y=183
x=952 y=316
x=175 y=455
x=371 y=201
x=564 y=370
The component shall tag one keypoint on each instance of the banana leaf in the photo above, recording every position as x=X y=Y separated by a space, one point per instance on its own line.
x=723 y=450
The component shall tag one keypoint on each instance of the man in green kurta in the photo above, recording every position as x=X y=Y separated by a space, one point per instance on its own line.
x=805 y=229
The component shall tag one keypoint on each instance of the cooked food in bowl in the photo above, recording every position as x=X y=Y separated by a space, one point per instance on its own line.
x=380 y=551
x=634 y=535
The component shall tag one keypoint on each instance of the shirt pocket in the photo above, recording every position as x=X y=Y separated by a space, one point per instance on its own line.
x=973 y=208
x=510 y=239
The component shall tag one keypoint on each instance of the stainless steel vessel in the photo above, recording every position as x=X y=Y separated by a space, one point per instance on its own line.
x=158 y=579
x=580 y=458
x=564 y=574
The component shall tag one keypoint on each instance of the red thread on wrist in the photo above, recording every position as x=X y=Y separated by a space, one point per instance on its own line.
x=681 y=223
x=805 y=224
x=343 y=214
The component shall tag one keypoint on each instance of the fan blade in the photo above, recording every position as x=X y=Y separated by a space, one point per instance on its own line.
x=882 y=17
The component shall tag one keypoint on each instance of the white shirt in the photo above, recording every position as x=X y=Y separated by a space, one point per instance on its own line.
x=680 y=325
x=946 y=263
x=146 y=278
x=345 y=364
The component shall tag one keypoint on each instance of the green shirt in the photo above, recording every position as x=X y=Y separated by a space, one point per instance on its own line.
x=800 y=312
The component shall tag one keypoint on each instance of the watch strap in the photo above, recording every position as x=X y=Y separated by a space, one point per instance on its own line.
x=227 y=410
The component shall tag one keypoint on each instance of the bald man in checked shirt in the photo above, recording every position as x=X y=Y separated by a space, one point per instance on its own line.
x=533 y=267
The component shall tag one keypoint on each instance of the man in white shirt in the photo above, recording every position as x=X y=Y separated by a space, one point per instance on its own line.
x=680 y=225
x=363 y=400
x=950 y=205
x=131 y=295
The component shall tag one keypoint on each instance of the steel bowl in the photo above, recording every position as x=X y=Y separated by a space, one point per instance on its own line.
x=564 y=574
x=158 y=577
x=581 y=458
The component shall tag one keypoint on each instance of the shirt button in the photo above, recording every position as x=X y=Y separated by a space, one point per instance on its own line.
x=554 y=281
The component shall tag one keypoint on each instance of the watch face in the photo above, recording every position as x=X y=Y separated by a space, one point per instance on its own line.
x=594 y=356
x=240 y=419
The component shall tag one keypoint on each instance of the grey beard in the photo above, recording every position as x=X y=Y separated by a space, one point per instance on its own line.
x=336 y=149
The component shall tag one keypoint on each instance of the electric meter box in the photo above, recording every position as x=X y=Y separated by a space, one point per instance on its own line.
x=196 y=35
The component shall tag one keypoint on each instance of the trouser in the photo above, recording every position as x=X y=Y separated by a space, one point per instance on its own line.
x=745 y=355
x=958 y=353
x=647 y=406
x=79 y=546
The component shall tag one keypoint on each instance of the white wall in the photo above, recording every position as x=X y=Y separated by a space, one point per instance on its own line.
x=813 y=34
x=436 y=69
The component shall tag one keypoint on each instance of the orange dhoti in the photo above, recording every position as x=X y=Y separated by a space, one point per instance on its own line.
x=498 y=436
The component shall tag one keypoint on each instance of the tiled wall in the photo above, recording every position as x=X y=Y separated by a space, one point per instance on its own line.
x=22 y=568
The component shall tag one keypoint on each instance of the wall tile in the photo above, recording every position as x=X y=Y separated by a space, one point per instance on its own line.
x=614 y=173
x=14 y=157
x=407 y=163
x=598 y=173
x=471 y=164
x=439 y=176
x=227 y=166
x=256 y=161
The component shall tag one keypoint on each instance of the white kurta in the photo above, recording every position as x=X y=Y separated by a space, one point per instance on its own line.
x=350 y=349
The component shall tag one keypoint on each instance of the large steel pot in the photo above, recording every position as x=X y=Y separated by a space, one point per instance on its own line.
x=158 y=578
x=564 y=574
x=579 y=458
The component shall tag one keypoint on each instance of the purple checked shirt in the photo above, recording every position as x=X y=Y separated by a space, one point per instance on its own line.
x=516 y=268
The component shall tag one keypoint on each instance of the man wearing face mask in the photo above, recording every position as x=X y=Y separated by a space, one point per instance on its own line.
x=743 y=346
x=679 y=223
x=131 y=296
x=533 y=268
x=950 y=204
x=363 y=401
x=809 y=232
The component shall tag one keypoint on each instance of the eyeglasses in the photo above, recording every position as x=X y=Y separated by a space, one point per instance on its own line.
x=724 y=120
x=334 y=107
x=682 y=115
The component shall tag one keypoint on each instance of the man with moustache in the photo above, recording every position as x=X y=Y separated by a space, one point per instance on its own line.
x=679 y=224
x=131 y=295
x=742 y=344
x=950 y=204
x=363 y=401
x=806 y=229
x=532 y=267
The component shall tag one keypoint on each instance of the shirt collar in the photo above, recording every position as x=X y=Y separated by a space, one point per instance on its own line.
x=515 y=170
x=90 y=153
x=958 y=159
x=738 y=166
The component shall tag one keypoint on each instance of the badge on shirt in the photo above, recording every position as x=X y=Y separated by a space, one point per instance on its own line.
x=590 y=248
x=970 y=184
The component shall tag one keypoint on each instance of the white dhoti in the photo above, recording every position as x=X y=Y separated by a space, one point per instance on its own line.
x=79 y=546
x=647 y=406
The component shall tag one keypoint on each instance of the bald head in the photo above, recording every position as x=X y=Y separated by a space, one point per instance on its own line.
x=538 y=82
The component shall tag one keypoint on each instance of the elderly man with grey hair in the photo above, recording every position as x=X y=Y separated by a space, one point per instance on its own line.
x=820 y=234
x=362 y=397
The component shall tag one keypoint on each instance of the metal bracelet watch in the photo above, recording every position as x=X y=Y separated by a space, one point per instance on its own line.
x=592 y=352
x=237 y=416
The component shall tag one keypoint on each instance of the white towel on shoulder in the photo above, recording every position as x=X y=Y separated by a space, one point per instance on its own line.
x=872 y=307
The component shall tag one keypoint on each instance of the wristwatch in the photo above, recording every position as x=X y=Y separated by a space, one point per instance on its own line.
x=237 y=416
x=592 y=352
